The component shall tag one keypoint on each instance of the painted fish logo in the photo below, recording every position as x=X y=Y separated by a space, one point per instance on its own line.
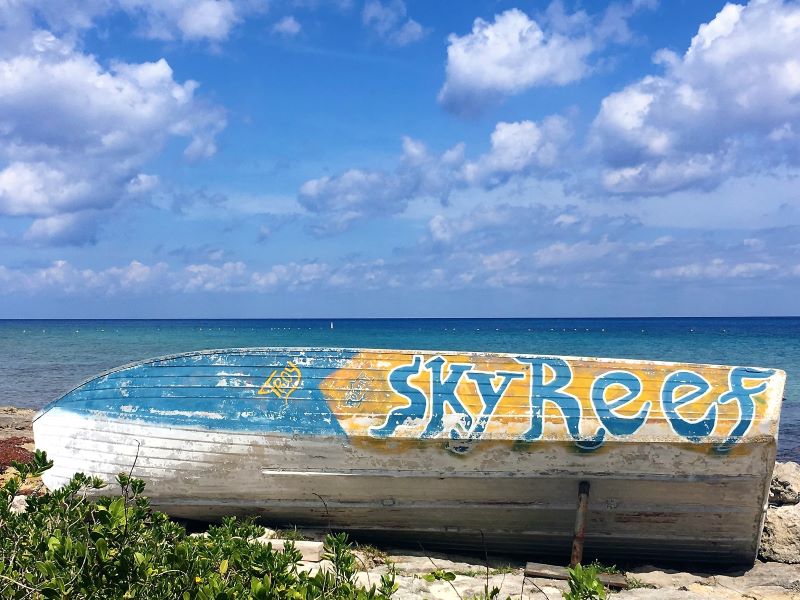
x=282 y=383
x=357 y=390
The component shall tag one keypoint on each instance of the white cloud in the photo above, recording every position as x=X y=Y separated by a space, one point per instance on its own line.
x=63 y=278
x=507 y=56
x=516 y=52
x=518 y=148
x=524 y=246
x=198 y=19
x=190 y=20
x=288 y=26
x=227 y=277
x=75 y=135
x=35 y=188
x=716 y=268
x=389 y=21
x=561 y=253
x=142 y=183
x=291 y=276
x=356 y=194
x=64 y=229
x=729 y=105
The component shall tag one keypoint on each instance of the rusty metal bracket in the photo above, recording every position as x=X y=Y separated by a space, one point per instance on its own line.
x=580 y=523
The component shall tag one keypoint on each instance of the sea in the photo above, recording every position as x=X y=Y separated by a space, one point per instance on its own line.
x=43 y=359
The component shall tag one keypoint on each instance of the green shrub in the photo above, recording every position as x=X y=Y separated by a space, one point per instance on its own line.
x=68 y=547
x=584 y=584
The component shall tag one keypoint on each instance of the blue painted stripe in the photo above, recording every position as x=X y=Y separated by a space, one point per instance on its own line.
x=129 y=394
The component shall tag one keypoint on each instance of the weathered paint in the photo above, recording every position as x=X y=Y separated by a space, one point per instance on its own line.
x=433 y=443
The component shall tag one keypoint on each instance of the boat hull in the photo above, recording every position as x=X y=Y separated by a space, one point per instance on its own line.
x=654 y=495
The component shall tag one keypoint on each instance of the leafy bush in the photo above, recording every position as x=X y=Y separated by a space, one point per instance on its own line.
x=67 y=547
x=584 y=584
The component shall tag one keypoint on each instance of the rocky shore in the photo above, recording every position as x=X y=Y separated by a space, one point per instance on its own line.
x=775 y=575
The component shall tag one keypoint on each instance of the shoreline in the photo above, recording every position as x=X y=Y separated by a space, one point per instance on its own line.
x=775 y=575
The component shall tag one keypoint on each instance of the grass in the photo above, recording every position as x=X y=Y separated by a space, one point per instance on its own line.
x=290 y=534
x=373 y=556
x=605 y=569
x=634 y=583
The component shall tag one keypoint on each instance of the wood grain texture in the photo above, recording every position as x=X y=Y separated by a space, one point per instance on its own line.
x=455 y=449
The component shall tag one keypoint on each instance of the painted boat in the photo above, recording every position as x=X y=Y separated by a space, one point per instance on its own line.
x=467 y=450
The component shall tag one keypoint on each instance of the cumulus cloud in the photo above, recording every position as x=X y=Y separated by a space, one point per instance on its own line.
x=69 y=229
x=515 y=52
x=226 y=277
x=190 y=20
x=519 y=148
x=356 y=194
x=287 y=26
x=75 y=135
x=728 y=105
x=64 y=278
x=390 y=21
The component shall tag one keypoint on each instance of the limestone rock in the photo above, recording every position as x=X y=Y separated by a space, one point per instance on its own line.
x=16 y=421
x=763 y=581
x=763 y=575
x=781 y=539
x=785 y=486
x=669 y=594
x=19 y=504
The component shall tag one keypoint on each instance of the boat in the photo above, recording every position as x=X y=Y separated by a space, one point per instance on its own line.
x=464 y=450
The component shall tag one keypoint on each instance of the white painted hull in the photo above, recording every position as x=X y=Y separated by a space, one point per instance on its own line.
x=653 y=500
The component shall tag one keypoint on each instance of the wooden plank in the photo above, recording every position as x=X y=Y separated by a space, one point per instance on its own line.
x=469 y=446
x=544 y=571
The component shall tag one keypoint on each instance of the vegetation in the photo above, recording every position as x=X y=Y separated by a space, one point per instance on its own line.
x=584 y=584
x=293 y=534
x=373 y=556
x=608 y=569
x=67 y=547
x=439 y=575
x=634 y=583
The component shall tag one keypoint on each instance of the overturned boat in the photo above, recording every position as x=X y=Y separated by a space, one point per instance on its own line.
x=470 y=450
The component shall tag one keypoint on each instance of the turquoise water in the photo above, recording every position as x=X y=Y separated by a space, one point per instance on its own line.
x=43 y=359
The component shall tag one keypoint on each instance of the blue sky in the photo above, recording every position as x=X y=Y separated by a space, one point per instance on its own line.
x=367 y=158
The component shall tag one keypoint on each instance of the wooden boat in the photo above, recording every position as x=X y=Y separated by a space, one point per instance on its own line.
x=472 y=450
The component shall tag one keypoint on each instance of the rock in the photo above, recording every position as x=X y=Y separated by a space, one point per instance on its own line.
x=781 y=538
x=763 y=575
x=411 y=588
x=673 y=594
x=785 y=486
x=313 y=567
x=19 y=504
x=650 y=575
x=16 y=421
x=764 y=581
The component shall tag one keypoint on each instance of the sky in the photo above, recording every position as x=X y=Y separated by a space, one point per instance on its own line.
x=399 y=158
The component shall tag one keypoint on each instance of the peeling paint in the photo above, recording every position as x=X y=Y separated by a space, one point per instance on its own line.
x=473 y=448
